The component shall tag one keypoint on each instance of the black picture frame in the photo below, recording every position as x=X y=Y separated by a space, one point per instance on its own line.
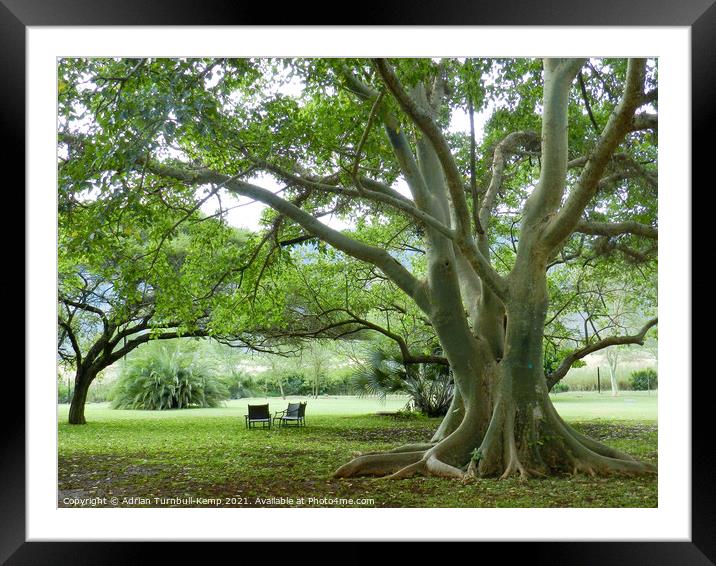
x=698 y=15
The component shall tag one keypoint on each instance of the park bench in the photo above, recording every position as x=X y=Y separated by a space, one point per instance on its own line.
x=258 y=414
x=295 y=414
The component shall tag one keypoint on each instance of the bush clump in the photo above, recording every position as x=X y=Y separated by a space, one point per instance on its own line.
x=166 y=378
x=429 y=386
x=240 y=385
x=560 y=387
x=643 y=379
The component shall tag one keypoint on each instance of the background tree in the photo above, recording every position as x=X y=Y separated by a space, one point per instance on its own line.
x=132 y=284
x=565 y=167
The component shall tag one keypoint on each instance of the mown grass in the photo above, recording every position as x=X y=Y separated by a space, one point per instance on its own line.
x=208 y=453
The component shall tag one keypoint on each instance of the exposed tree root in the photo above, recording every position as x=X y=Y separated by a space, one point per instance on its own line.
x=418 y=468
x=439 y=468
x=592 y=457
x=536 y=443
x=377 y=464
x=413 y=447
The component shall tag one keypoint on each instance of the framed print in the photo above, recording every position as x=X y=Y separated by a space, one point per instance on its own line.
x=137 y=68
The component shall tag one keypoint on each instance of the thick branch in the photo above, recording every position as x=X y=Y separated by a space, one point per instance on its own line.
x=501 y=152
x=371 y=254
x=431 y=130
x=73 y=340
x=611 y=229
x=644 y=121
x=386 y=196
x=566 y=364
x=618 y=125
x=558 y=77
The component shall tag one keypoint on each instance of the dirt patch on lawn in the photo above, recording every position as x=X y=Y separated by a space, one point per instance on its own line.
x=615 y=431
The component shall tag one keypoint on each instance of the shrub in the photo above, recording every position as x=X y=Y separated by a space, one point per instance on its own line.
x=560 y=387
x=166 y=379
x=406 y=414
x=64 y=391
x=430 y=386
x=643 y=379
x=240 y=385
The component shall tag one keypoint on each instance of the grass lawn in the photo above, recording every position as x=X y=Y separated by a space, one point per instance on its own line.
x=137 y=456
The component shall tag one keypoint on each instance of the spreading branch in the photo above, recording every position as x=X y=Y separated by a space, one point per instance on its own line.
x=371 y=254
x=564 y=222
x=568 y=361
x=611 y=229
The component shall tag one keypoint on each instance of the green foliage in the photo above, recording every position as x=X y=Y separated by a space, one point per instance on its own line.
x=64 y=389
x=553 y=357
x=165 y=378
x=430 y=386
x=292 y=382
x=239 y=385
x=560 y=387
x=643 y=379
x=230 y=115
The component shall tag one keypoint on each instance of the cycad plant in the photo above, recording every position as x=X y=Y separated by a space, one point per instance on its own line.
x=429 y=386
x=166 y=378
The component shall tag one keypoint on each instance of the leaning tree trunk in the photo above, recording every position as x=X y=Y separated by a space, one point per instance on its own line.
x=612 y=358
x=83 y=379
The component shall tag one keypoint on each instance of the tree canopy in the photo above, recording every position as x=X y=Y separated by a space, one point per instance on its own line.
x=494 y=208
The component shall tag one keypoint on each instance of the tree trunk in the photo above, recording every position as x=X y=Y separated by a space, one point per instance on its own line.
x=509 y=425
x=83 y=380
x=526 y=436
x=613 y=361
x=502 y=421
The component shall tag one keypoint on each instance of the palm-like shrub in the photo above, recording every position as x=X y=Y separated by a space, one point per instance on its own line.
x=166 y=378
x=429 y=386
